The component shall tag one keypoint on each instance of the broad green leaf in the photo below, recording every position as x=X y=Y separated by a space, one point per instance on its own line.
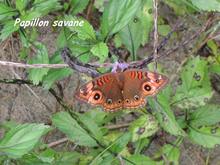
x=101 y=51
x=141 y=160
x=41 y=57
x=8 y=29
x=117 y=15
x=84 y=32
x=131 y=35
x=78 y=6
x=205 y=5
x=6 y=12
x=164 y=113
x=206 y=136
x=195 y=87
x=91 y=125
x=65 y=123
x=143 y=127
x=171 y=153
x=206 y=115
x=138 y=29
x=21 y=139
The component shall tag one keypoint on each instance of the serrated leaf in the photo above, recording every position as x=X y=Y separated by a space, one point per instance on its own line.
x=143 y=127
x=212 y=5
x=22 y=138
x=84 y=32
x=78 y=6
x=206 y=115
x=41 y=57
x=164 y=113
x=101 y=51
x=117 y=15
x=65 y=123
x=206 y=136
x=195 y=88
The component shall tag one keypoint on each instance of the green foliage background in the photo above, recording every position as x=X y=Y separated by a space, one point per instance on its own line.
x=128 y=24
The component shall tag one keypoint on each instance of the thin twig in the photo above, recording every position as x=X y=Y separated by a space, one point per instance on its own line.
x=21 y=65
x=155 y=34
x=55 y=143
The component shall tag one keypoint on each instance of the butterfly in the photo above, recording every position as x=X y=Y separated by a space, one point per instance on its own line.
x=121 y=90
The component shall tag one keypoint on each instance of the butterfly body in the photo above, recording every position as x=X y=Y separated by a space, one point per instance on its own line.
x=123 y=90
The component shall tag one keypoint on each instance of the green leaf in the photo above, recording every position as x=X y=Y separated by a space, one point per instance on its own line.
x=121 y=142
x=101 y=51
x=6 y=12
x=44 y=7
x=141 y=160
x=91 y=125
x=131 y=35
x=84 y=32
x=117 y=141
x=67 y=158
x=20 y=5
x=47 y=156
x=143 y=127
x=22 y=138
x=206 y=115
x=41 y=57
x=195 y=87
x=65 y=123
x=55 y=74
x=117 y=15
x=171 y=153
x=78 y=6
x=206 y=136
x=164 y=30
x=8 y=29
x=164 y=113
x=138 y=29
x=215 y=68
x=205 y=5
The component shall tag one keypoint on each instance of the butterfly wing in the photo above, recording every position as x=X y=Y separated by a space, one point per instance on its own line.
x=105 y=91
x=138 y=84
